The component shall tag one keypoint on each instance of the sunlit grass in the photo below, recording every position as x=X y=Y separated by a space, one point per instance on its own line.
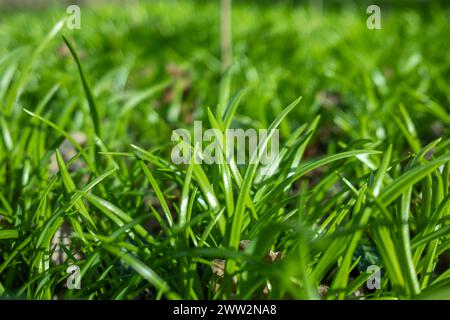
x=363 y=177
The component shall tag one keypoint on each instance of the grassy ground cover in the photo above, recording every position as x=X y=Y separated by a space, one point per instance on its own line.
x=86 y=176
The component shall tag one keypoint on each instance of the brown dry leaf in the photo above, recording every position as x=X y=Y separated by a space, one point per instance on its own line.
x=60 y=239
x=218 y=265
x=274 y=256
x=328 y=99
x=323 y=290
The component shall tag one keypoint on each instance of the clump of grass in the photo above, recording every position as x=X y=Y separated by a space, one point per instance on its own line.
x=361 y=180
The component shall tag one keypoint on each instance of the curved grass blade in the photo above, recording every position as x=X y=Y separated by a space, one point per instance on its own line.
x=16 y=90
x=238 y=216
x=87 y=90
x=409 y=178
x=147 y=273
x=70 y=187
x=158 y=192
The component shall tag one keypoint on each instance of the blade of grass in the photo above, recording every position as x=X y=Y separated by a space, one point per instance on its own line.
x=87 y=90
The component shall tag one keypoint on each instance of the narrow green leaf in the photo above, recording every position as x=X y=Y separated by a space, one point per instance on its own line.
x=147 y=273
x=9 y=234
x=70 y=188
x=87 y=90
x=158 y=192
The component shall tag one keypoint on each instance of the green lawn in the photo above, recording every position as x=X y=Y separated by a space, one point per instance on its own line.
x=87 y=179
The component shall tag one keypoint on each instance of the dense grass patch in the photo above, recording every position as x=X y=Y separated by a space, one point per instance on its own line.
x=86 y=176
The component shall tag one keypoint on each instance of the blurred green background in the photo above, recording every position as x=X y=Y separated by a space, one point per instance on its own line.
x=353 y=76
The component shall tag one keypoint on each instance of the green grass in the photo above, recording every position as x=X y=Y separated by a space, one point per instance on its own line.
x=363 y=176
